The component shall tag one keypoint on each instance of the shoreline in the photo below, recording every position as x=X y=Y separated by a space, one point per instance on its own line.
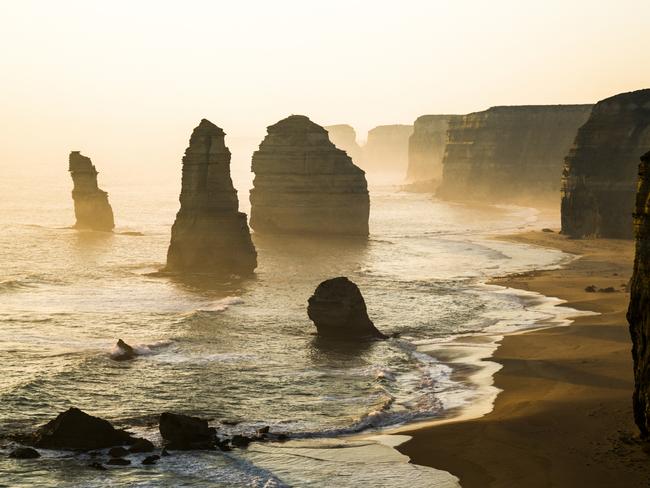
x=563 y=413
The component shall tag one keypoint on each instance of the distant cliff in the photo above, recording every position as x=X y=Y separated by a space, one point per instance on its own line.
x=426 y=147
x=509 y=153
x=91 y=206
x=386 y=150
x=305 y=185
x=638 y=314
x=599 y=182
x=344 y=137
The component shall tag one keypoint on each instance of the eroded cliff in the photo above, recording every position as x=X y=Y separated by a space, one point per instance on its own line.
x=304 y=184
x=209 y=235
x=344 y=137
x=509 y=154
x=599 y=179
x=426 y=147
x=638 y=314
x=386 y=150
x=91 y=206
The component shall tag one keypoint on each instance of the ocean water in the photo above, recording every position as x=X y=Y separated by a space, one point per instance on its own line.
x=243 y=352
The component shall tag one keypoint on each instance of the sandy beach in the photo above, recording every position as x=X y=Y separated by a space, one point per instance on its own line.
x=564 y=417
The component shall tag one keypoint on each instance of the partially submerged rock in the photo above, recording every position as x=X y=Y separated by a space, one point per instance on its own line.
x=338 y=310
x=638 y=314
x=182 y=432
x=386 y=150
x=24 y=453
x=122 y=351
x=209 y=235
x=91 y=206
x=74 y=429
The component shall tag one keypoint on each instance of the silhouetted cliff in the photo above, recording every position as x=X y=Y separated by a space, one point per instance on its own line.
x=91 y=206
x=386 y=150
x=638 y=314
x=599 y=182
x=344 y=137
x=509 y=153
x=304 y=184
x=209 y=235
x=426 y=147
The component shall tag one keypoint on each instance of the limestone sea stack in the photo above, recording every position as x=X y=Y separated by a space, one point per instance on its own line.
x=344 y=137
x=305 y=185
x=386 y=150
x=91 y=206
x=426 y=147
x=509 y=154
x=638 y=314
x=600 y=171
x=338 y=311
x=209 y=235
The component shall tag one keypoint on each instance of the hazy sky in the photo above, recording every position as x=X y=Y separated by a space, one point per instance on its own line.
x=126 y=81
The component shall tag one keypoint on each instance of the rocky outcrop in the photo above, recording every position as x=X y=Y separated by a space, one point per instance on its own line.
x=638 y=314
x=91 y=207
x=599 y=180
x=182 y=432
x=338 y=310
x=122 y=351
x=509 y=154
x=74 y=429
x=426 y=147
x=344 y=137
x=304 y=184
x=386 y=150
x=209 y=235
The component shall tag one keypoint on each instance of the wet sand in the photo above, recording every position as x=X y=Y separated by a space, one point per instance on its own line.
x=564 y=417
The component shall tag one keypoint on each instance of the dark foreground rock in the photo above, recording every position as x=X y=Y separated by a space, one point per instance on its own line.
x=91 y=206
x=338 y=310
x=74 y=429
x=638 y=314
x=123 y=352
x=600 y=170
x=118 y=462
x=24 y=453
x=209 y=235
x=149 y=460
x=182 y=432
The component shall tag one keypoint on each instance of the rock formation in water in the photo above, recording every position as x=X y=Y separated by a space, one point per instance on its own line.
x=599 y=183
x=122 y=351
x=638 y=314
x=74 y=429
x=91 y=206
x=509 y=154
x=426 y=148
x=182 y=432
x=304 y=184
x=344 y=137
x=209 y=235
x=338 y=310
x=386 y=150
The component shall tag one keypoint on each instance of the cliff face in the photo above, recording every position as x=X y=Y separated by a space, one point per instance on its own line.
x=509 y=153
x=209 y=235
x=426 y=147
x=599 y=180
x=304 y=184
x=638 y=314
x=386 y=150
x=91 y=206
x=344 y=137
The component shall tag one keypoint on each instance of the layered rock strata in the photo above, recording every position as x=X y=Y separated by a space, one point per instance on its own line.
x=209 y=235
x=386 y=150
x=304 y=184
x=638 y=314
x=509 y=154
x=338 y=311
x=426 y=147
x=344 y=137
x=91 y=206
x=599 y=180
